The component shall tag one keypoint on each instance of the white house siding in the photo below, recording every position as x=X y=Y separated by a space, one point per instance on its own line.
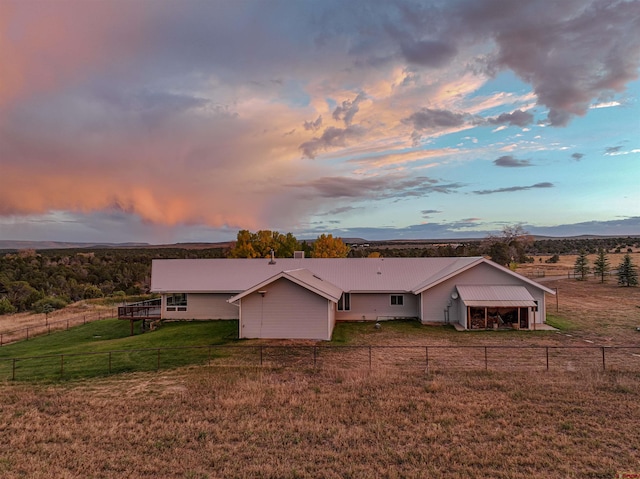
x=285 y=311
x=372 y=306
x=435 y=300
x=203 y=306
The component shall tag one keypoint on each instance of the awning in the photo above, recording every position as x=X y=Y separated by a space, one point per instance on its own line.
x=495 y=296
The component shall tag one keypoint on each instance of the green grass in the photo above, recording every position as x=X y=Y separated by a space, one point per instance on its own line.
x=365 y=332
x=560 y=323
x=105 y=347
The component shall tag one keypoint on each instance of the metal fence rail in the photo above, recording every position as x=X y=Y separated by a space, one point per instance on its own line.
x=428 y=358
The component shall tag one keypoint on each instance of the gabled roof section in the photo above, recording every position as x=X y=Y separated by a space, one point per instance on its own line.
x=301 y=277
x=454 y=268
x=495 y=296
x=457 y=268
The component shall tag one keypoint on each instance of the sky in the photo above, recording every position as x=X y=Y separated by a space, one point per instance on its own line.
x=185 y=121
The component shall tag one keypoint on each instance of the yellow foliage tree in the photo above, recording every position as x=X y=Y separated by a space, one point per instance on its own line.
x=326 y=246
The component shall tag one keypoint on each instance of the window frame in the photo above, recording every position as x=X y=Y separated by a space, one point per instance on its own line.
x=396 y=299
x=177 y=302
x=344 y=303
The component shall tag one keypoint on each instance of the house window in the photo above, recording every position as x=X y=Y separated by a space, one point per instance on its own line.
x=177 y=302
x=344 y=303
x=397 y=300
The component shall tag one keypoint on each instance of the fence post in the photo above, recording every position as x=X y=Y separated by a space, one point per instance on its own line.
x=426 y=355
x=209 y=356
x=158 y=363
x=547 y=348
x=84 y=319
x=109 y=362
x=486 y=366
x=315 y=354
x=67 y=325
x=13 y=373
x=27 y=334
x=48 y=329
x=260 y=355
x=369 y=357
x=603 y=364
x=61 y=365
x=0 y=339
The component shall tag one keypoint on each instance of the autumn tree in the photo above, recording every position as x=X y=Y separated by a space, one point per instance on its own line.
x=326 y=246
x=509 y=246
x=244 y=246
x=601 y=265
x=261 y=243
x=627 y=272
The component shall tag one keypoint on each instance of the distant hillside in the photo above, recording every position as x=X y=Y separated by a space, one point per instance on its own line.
x=40 y=245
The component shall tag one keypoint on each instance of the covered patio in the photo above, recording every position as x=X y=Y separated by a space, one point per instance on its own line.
x=497 y=307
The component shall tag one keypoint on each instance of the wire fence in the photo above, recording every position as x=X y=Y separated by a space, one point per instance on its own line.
x=431 y=359
x=49 y=323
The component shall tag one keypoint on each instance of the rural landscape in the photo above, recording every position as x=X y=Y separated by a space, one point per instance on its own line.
x=188 y=400
x=333 y=239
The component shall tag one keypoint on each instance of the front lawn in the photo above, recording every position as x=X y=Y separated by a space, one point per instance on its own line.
x=105 y=347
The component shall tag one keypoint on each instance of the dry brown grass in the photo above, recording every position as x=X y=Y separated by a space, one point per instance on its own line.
x=13 y=326
x=567 y=262
x=236 y=423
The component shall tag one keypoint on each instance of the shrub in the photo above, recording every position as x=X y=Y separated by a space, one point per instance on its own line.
x=6 y=307
x=554 y=259
x=48 y=304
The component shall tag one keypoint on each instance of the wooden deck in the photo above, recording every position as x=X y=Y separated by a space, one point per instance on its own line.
x=139 y=312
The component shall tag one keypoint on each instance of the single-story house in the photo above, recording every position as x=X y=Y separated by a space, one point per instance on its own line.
x=302 y=298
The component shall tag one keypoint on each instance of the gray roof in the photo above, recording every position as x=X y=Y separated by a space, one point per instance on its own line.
x=492 y=295
x=348 y=274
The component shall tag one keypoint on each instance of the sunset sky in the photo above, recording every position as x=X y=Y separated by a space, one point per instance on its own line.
x=181 y=121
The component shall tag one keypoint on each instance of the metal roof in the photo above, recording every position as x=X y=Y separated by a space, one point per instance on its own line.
x=348 y=274
x=356 y=275
x=495 y=296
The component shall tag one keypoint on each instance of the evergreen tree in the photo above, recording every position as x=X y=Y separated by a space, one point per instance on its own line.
x=601 y=265
x=581 y=266
x=627 y=272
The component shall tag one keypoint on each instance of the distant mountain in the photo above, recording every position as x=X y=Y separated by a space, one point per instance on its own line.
x=39 y=245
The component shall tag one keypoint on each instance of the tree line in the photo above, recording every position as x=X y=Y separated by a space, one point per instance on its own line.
x=49 y=279
x=627 y=271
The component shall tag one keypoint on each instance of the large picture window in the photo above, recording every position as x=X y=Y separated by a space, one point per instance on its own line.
x=344 y=303
x=397 y=300
x=177 y=302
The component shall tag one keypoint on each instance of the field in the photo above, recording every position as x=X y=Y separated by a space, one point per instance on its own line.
x=292 y=422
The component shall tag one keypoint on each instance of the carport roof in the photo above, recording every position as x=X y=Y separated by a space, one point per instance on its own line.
x=495 y=296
